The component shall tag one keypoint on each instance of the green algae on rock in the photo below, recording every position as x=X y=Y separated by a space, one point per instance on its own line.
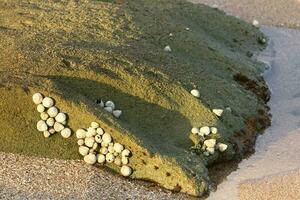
x=79 y=51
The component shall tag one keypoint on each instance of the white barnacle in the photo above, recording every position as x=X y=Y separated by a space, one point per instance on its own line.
x=118 y=162
x=211 y=150
x=125 y=153
x=44 y=116
x=50 y=122
x=80 y=133
x=83 y=150
x=90 y=159
x=95 y=146
x=106 y=137
x=52 y=131
x=103 y=150
x=218 y=112
x=91 y=132
x=61 y=117
x=222 y=147
x=110 y=158
x=255 y=23
x=195 y=93
x=58 y=127
x=110 y=104
x=46 y=134
x=48 y=102
x=108 y=109
x=195 y=130
x=126 y=170
x=41 y=126
x=101 y=158
x=95 y=125
x=98 y=139
x=118 y=147
x=80 y=142
x=117 y=113
x=111 y=149
x=40 y=108
x=124 y=160
x=210 y=143
x=89 y=141
x=37 y=98
x=214 y=130
x=167 y=48
x=100 y=131
x=205 y=130
x=52 y=111
x=66 y=133
x=104 y=144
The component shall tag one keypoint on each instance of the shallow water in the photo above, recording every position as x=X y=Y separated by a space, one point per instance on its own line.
x=278 y=149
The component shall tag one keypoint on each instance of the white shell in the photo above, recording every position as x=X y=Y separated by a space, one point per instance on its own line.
x=66 y=133
x=110 y=158
x=117 y=113
x=255 y=23
x=95 y=146
x=90 y=159
x=222 y=147
x=108 y=109
x=118 y=147
x=195 y=130
x=61 y=117
x=80 y=133
x=116 y=154
x=98 y=139
x=58 y=127
x=100 y=131
x=124 y=160
x=95 y=125
x=103 y=150
x=210 y=143
x=40 y=108
x=218 y=112
x=83 y=150
x=48 y=102
x=46 y=134
x=214 y=130
x=80 y=142
x=195 y=93
x=167 y=48
x=91 y=132
x=118 y=162
x=101 y=158
x=211 y=150
x=41 y=126
x=104 y=144
x=106 y=138
x=89 y=141
x=110 y=104
x=52 y=131
x=44 y=116
x=37 y=98
x=205 y=130
x=126 y=171
x=111 y=149
x=125 y=153
x=52 y=111
x=50 y=122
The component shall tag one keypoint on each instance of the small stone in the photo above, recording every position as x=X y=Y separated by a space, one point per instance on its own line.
x=50 y=122
x=61 y=117
x=218 y=112
x=205 y=130
x=106 y=138
x=195 y=130
x=124 y=160
x=222 y=147
x=118 y=162
x=52 y=111
x=90 y=159
x=100 y=131
x=48 y=102
x=125 y=153
x=108 y=109
x=104 y=144
x=89 y=141
x=37 y=98
x=167 y=48
x=117 y=113
x=83 y=150
x=44 y=116
x=66 y=133
x=103 y=150
x=101 y=158
x=110 y=158
x=214 y=130
x=210 y=143
x=118 y=147
x=95 y=125
x=80 y=142
x=46 y=134
x=126 y=170
x=41 y=126
x=40 y=108
x=98 y=139
x=58 y=127
x=110 y=104
x=80 y=133
x=195 y=93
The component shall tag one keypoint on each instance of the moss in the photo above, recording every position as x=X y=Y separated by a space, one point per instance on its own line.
x=80 y=52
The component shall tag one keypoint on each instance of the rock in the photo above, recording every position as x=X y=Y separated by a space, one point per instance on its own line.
x=83 y=150
x=214 y=130
x=44 y=116
x=95 y=125
x=98 y=139
x=126 y=170
x=125 y=153
x=117 y=113
x=41 y=126
x=106 y=137
x=118 y=147
x=37 y=98
x=108 y=109
x=167 y=48
x=118 y=162
x=66 y=133
x=218 y=112
x=48 y=102
x=195 y=130
x=103 y=150
x=100 y=131
x=61 y=117
x=89 y=141
x=101 y=158
x=110 y=104
x=50 y=122
x=90 y=159
x=210 y=143
x=58 y=127
x=195 y=93
x=40 y=108
x=80 y=133
x=80 y=142
x=46 y=134
x=52 y=111
x=205 y=130
x=110 y=158
x=124 y=160
x=222 y=147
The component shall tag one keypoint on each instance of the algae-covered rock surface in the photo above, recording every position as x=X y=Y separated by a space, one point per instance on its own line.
x=81 y=51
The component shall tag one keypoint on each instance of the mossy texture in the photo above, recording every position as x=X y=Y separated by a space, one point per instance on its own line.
x=80 y=51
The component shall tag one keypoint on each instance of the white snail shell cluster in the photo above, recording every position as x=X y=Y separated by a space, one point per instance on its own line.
x=97 y=146
x=52 y=121
x=110 y=107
